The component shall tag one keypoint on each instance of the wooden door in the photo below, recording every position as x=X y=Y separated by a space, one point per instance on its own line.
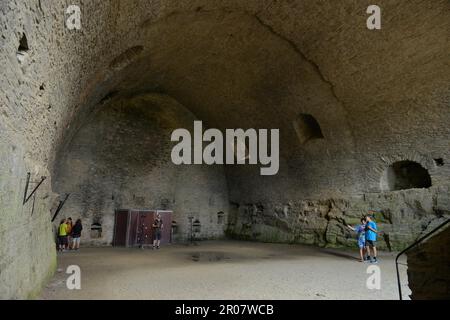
x=120 y=228
x=133 y=225
x=166 y=234
x=144 y=234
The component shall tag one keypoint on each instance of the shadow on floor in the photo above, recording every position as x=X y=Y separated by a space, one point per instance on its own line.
x=344 y=255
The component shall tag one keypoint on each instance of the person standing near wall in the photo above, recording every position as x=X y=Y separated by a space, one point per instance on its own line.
x=76 y=234
x=62 y=235
x=157 y=229
x=69 y=233
x=371 y=239
x=361 y=231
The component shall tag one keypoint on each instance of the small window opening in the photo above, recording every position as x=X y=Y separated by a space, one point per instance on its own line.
x=439 y=162
x=220 y=217
x=196 y=226
x=174 y=227
x=23 y=48
x=96 y=230
x=307 y=128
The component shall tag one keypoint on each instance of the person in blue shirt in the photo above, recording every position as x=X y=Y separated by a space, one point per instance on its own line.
x=361 y=231
x=371 y=239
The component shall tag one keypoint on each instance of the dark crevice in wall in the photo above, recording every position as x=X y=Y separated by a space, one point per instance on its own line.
x=307 y=128
x=439 y=162
x=109 y=96
x=23 y=46
x=40 y=5
x=22 y=50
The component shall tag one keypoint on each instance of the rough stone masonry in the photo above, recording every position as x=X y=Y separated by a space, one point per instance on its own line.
x=363 y=118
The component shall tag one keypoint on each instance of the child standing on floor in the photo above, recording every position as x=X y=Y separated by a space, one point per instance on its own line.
x=361 y=231
x=371 y=239
x=62 y=235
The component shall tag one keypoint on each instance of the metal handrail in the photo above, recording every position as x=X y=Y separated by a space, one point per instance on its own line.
x=416 y=243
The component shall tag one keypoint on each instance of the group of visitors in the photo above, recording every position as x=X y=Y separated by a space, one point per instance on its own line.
x=69 y=234
x=367 y=238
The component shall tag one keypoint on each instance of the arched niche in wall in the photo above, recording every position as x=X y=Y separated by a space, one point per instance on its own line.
x=405 y=174
x=307 y=128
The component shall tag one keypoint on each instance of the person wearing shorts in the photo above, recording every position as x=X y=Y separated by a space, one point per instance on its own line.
x=361 y=231
x=76 y=234
x=157 y=229
x=62 y=235
x=371 y=239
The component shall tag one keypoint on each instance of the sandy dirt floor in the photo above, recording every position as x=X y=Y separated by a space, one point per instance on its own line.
x=223 y=270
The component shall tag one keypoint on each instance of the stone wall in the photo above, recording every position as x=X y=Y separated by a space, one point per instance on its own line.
x=378 y=97
x=402 y=217
x=27 y=251
x=120 y=159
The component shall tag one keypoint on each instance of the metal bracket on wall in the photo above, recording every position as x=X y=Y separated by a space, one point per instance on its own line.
x=25 y=197
x=34 y=201
x=60 y=205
